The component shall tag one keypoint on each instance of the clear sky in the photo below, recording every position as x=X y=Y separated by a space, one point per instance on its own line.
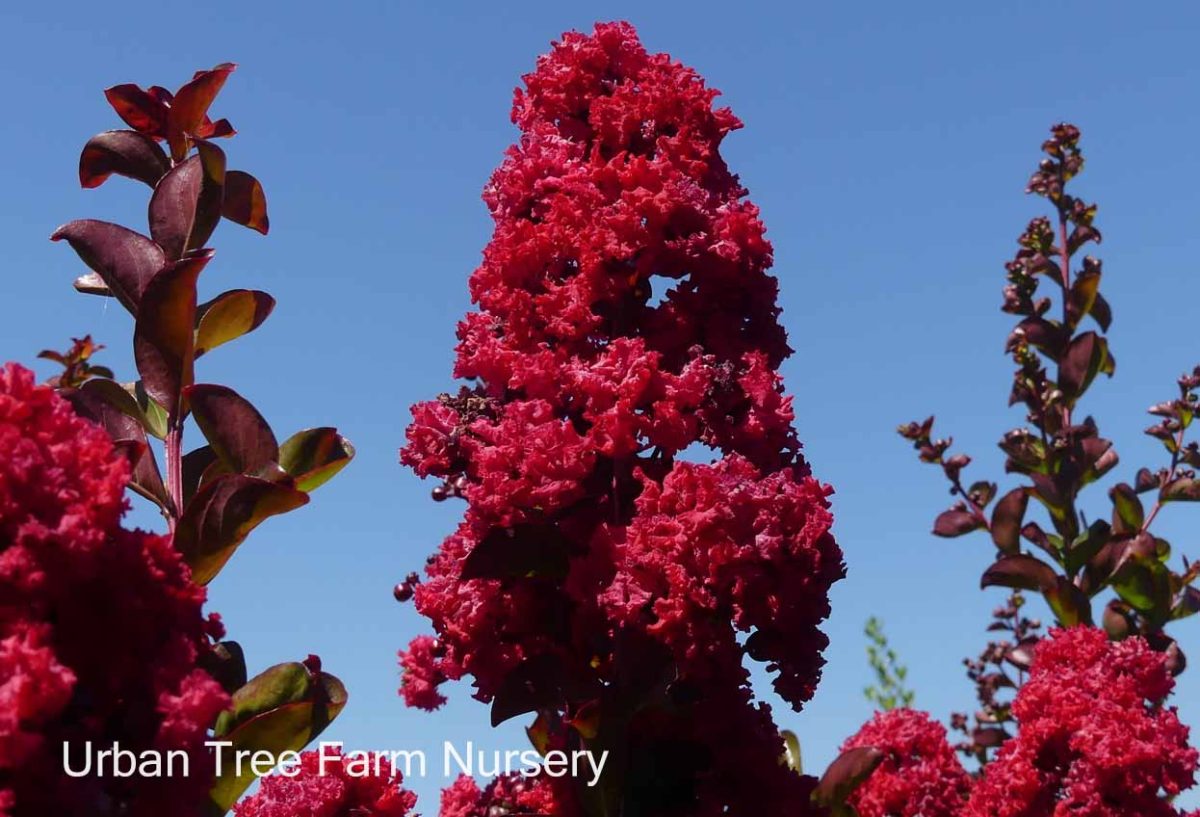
x=887 y=144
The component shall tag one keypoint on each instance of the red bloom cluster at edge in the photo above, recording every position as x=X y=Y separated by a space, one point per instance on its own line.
x=100 y=627
x=601 y=577
x=1095 y=738
x=330 y=791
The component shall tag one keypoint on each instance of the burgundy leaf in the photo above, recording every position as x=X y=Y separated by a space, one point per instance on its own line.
x=1101 y=312
x=189 y=108
x=100 y=405
x=1145 y=481
x=223 y=513
x=847 y=772
x=124 y=260
x=1007 y=517
x=186 y=204
x=163 y=338
x=1182 y=489
x=1020 y=571
x=955 y=522
x=124 y=152
x=141 y=110
x=238 y=434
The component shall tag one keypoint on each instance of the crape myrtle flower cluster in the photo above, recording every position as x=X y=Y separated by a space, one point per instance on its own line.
x=600 y=579
x=919 y=775
x=101 y=628
x=1095 y=739
x=508 y=795
x=328 y=790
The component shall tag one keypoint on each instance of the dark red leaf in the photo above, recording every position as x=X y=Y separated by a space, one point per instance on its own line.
x=164 y=334
x=1020 y=571
x=955 y=522
x=223 y=513
x=124 y=152
x=527 y=550
x=186 y=204
x=1086 y=357
x=1182 y=489
x=1021 y=655
x=124 y=260
x=534 y=684
x=245 y=202
x=140 y=109
x=845 y=774
x=100 y=404
x=989 y=738
x=1007 y=517
x=1101 y=312
x=190 y=106
x=238 y=434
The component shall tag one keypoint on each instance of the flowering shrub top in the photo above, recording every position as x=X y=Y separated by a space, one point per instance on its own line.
x=100 y=627
x=331 y=790
x=1095 y=738
x=919 y=775
x=598 y=578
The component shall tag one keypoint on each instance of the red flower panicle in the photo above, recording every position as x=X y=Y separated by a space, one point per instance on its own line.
x=920 y=774
x=1095 y=738
x=339 y=789
x=508 y=795
x=626 y=314
x=100 y=627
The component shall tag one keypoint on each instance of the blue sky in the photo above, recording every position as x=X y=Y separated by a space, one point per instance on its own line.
x=887 y=144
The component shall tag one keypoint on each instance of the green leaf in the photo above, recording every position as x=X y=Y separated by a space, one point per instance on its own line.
x=154 y=416
x=792 y=755
x=1144 y=583
x=1087 y=545
x=229 y=316
x=281 y=709
x=221 y=515
x=312 y=457
x=163 y=337
x=1188 y=605
x=1069 y=603
x=1128 y=513
x=245 y=203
